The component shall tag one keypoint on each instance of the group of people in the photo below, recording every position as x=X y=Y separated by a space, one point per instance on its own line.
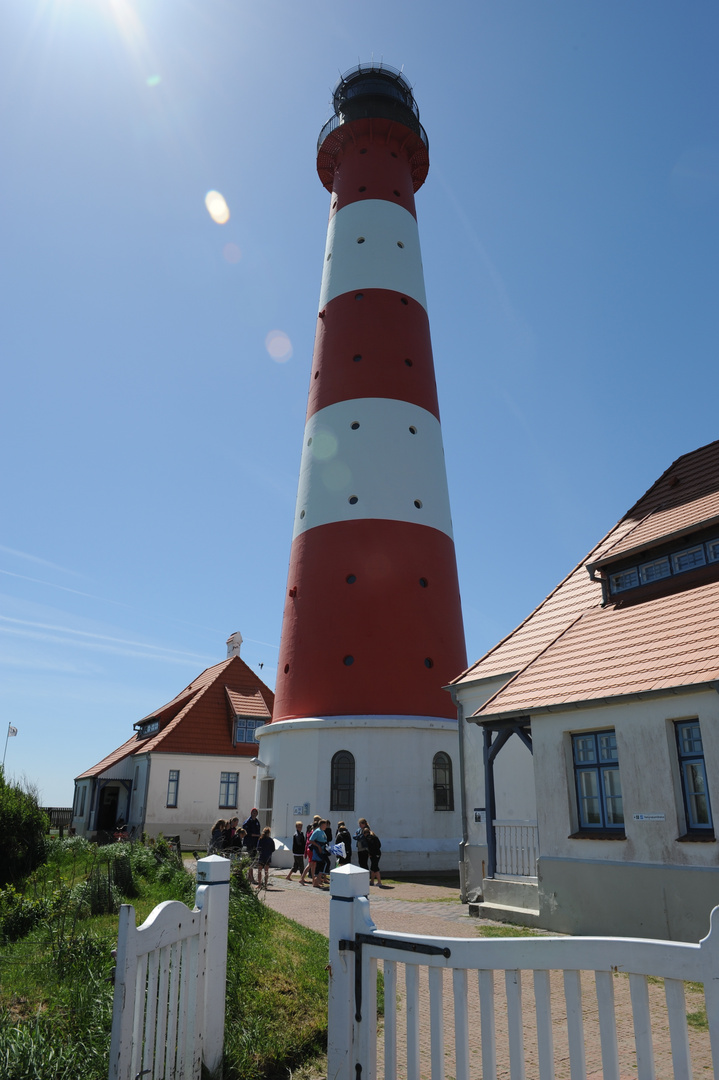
x=312 y=849
x=317 y=846
x=228 y=836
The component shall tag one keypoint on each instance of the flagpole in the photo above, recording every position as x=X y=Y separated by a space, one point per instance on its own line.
x=10 y=731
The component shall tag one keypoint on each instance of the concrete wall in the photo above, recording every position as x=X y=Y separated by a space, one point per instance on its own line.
x=393 y=782
x=623 y=899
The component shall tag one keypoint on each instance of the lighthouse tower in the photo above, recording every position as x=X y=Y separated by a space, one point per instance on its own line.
x=372 y=626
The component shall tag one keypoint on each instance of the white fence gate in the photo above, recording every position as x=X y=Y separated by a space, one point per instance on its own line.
x=356 y=945
x=168 y=1016
x=516 y=848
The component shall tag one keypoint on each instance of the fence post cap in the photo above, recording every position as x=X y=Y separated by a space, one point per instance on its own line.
x=349 y=881
x=213 y=868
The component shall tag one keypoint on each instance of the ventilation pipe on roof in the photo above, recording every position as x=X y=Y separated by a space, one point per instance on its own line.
x=234 y=643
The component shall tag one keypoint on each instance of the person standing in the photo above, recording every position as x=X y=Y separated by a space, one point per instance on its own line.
x=265 y=847
x=361 y=844
x=342 y=836
x=252 y=835
x=374 y=850
x=318 y=845
x=298 y=851
x=310 y=867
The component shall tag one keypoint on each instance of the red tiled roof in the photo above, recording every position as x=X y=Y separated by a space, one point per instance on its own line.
x=682 y=500
x=661 y=644
x=570 y=649
x=123 y=751
x=248 y=703
x=198 y=720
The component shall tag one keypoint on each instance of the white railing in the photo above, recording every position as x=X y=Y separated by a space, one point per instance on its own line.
x=517 y=848
x=431 y=1031
x=168 y=1016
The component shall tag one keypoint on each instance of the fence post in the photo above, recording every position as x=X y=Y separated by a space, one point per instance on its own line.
x=347 y=883
x=213 y=898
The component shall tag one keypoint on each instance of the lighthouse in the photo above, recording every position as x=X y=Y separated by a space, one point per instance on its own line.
x=372 y=628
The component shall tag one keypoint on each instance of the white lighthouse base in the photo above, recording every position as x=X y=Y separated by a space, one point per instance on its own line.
x=394 y=783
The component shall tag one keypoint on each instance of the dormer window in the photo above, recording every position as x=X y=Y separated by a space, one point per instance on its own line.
x=688 y=559
x=148 y=728
x=654 y=571
x=626 y=579
x=245 y=729
x=665 y=566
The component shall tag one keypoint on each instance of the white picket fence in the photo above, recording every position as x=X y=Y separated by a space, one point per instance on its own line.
x=356 y=946
x=168 y=1014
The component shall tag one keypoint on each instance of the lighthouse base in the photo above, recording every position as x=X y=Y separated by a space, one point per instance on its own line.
x=405 y=777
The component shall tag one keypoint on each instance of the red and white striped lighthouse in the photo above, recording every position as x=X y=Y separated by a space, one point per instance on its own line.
x=372 y=621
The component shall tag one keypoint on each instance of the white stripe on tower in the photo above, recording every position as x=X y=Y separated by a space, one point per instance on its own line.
x=372 y=622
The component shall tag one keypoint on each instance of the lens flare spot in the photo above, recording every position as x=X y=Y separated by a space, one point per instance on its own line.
x=231 y=253
x=278 y=346
x=324 y=445
x=217 y=208
x=153 y=80
x=336 y=476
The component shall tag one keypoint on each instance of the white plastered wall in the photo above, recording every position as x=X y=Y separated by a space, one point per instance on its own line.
x=651 y=883
x=198 y=795
x=393 y=782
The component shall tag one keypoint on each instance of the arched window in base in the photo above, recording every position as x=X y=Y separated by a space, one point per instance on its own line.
x=442 y=780
x=342 y=784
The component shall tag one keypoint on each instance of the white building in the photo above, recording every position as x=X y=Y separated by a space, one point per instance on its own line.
x=590 y=735
x=188 y=762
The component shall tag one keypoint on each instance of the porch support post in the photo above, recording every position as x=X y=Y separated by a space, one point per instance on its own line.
x=490 y=803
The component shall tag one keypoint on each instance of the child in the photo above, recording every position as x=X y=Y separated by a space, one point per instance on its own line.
x=265 y=847
x=342 y=836
x=374 y=849
x=298 y=851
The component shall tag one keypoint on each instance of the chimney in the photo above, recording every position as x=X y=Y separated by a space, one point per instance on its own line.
x=234 y=642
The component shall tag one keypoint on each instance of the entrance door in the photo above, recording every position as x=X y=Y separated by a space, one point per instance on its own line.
x=107 y=814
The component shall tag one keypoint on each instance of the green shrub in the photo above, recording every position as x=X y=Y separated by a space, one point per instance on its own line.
x=23 y=828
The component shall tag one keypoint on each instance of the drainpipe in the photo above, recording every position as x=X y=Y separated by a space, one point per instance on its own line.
x=463 y=798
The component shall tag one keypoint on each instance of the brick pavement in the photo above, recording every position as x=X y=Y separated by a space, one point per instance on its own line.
x=435 y=910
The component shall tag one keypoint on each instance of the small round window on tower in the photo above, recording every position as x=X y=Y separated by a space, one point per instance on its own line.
x=359 y=296
x=412 y=429
x=353 y=500
x=428 y=662
x=418 y=503
x=360 y=239
x=351 y=578
x=356 y=357
x=408 y=362
x=397 y=193
x=348 y=660
x=317 y=374
x=400 y=244
x=363 y=188
x=404 y=300
x=354 y=425
x=363 y=150
x=302 y=513
x=287 y=668
x=423 y=582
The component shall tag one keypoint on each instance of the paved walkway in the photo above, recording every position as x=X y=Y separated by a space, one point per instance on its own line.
x=426 y=909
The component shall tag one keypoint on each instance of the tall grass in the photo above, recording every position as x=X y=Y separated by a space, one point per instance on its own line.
x=56 y=962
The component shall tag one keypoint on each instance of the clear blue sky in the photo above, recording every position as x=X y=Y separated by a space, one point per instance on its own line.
x=150 y=442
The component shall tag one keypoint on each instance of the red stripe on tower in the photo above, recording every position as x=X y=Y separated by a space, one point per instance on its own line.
x=372 y=621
